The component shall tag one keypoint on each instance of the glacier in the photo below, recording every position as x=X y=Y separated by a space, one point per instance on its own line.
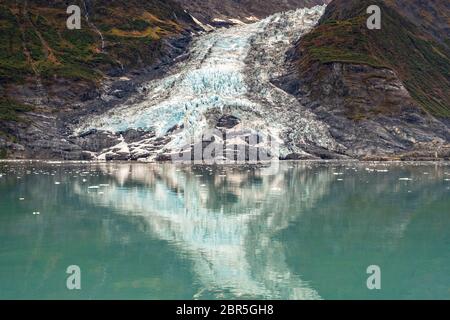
x=228 y=71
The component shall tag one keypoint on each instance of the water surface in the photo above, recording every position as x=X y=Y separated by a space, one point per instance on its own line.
x=299 y=230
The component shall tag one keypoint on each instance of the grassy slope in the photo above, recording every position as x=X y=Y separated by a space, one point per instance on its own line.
x=421 y=63
x=35 y=43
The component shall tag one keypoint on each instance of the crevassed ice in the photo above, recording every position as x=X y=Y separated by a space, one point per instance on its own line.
x=212 y=78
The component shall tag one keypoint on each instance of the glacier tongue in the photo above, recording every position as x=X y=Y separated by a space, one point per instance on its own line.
x=228 y=72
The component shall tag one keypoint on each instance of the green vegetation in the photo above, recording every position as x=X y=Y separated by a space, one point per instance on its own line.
x=340 y=41
x=35 y=44
x=135 y=25
x=30 y=46
x=3 y=153
x=34 y=40
x=11 y=110
x=14 y=66
x=421 y=63
x=8 y=137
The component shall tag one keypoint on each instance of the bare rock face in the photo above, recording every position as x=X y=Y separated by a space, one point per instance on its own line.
x=228 y=121
x=219 y=12
x=368 y=110
x=96 y=141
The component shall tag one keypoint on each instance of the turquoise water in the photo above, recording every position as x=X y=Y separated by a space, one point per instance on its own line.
x=300 y=230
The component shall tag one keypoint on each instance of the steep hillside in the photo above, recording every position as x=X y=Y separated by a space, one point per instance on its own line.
x=50 y=76
x=431 y=16
x=389 y=87
x=422 y=64
x=46 y=67
x=120 y=34
x=35 y=40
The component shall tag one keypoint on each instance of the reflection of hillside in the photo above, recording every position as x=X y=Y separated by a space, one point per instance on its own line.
x=376 y=222
x=225 y=220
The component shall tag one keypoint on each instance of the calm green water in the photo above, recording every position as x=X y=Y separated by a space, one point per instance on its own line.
x=154 y=231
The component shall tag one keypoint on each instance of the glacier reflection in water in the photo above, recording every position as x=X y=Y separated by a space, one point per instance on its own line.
x=302 y=230
x=221 y=221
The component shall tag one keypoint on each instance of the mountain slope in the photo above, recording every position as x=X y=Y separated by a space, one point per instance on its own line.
x=115 y=89
x=382 y=92
x=36 y=45
x=422 y=64
x=48 y=68
x=431 y=16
